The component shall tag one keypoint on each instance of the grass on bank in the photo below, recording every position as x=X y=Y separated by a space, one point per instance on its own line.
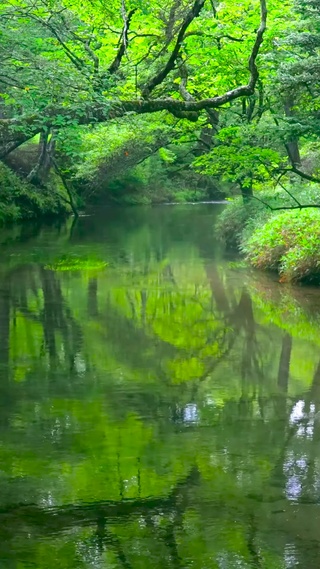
x=284 y=241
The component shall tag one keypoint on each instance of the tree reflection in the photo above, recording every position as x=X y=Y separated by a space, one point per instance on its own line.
x=155 y=413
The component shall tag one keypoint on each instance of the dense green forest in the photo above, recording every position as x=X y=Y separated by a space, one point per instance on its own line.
x=143 y=101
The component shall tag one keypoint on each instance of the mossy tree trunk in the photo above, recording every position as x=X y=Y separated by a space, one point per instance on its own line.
x=246 y=190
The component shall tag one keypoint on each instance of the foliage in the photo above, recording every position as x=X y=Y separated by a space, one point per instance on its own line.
x=137 y=161
x=154 y=181
x=69 y=58
x=272 y=240
x=116 y=149
x=239 y=157
x=71 y=69
x=234 y=219
x=289 y=243
x=141 y=104
x=240 y=218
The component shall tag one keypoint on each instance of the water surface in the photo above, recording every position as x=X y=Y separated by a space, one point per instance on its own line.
x=160 y=405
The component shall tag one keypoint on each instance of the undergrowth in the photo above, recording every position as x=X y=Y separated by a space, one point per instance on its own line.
x=282 y=241
x=289 y=243
x=20 y=200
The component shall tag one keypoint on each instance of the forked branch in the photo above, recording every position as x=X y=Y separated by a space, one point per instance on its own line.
x=164 y=72
x=123 y=43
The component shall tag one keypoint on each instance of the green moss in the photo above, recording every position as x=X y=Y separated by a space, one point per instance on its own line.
x=20 y=200
x=76 y=263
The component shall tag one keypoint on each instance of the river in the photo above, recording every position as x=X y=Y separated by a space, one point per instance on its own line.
x=160 y=403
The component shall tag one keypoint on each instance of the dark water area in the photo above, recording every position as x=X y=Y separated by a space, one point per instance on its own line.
x=159 y=404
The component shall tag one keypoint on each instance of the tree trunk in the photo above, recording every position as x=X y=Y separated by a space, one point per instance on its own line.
x=284 y=364
x=4 y=326
x=246 y=191
x=93 y=310
x=292 y=145
x=39 y=174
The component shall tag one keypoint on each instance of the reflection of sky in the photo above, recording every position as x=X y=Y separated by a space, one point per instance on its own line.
x=48 y=501
x=89 y=551
x=303 y=419
x=297 y=412
x=307 y=419
x=290 y=556
x=295 y=470
x=80 y=364
x=190 y=413
x=293 y=487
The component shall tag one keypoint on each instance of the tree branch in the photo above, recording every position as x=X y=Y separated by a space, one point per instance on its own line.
x=303 y=175
x=278 y=181
x=86 y=45
x=77 y=62
x=162 y=74
x=257 y=44
x=211 y=36
x=288 y=207
x=213 y=115
x=123 y=43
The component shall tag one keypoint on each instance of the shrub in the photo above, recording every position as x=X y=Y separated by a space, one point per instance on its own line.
x=237 y=218
x=187 y=196
x=289 y=243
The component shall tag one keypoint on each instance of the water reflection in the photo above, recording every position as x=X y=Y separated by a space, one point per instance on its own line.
x=159 y=407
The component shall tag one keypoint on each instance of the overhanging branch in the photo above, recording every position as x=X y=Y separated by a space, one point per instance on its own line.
x=303 y=175
x=287 y=207
x=14 y=132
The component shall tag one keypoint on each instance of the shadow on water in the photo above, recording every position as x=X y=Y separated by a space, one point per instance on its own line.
x=160 y=406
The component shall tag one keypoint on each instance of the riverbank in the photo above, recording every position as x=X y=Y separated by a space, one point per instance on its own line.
x=21 y=201
x=273 y=238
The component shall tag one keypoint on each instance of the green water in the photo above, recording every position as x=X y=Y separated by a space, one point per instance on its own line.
x=159 y=405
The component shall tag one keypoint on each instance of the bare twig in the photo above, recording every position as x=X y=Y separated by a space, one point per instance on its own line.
x=289 y=207
x=278 y=181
